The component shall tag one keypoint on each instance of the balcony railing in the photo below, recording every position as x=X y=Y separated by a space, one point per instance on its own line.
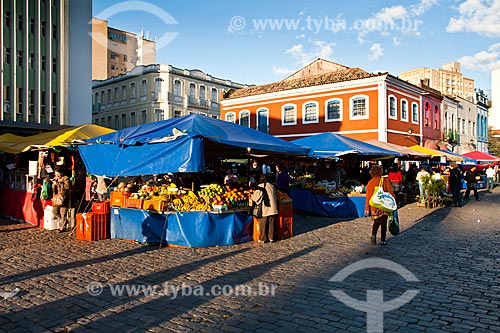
x=451 y=137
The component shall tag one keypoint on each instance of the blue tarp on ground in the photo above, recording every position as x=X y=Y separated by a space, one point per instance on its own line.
x=330 y=145
x=176 y=145
x=190 y=229
x=341 y=207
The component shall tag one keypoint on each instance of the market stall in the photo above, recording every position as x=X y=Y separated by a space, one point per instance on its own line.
x=30 y=158
x=340 y=206
x=171 y=214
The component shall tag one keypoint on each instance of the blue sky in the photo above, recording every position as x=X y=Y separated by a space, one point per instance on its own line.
x=258 y=42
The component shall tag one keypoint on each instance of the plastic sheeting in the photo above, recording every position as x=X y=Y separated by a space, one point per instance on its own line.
x=182 y=155
x=341 y=207
x=330 y=145
x=189 y=229
x=177 y=145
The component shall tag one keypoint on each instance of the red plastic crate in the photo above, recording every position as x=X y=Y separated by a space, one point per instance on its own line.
x=100 y=207
x=156 y=205
x=283 y=228
x=117 y=199
x=90 y=226
x=285 y=208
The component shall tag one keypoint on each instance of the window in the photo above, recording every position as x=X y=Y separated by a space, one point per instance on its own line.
x=289 y=114
x=124 y=57
x=158 y=85
x=32 y=25
x=202 y=96
x=7 y=55
x=133 y=120
x=414 y=113
x=19 y=99
x=144 y=118
x=427 y=114
x=310 y=112
x=262 y=120
x=177 y=88
x=404 y=110
x=31 y=61
x=31 y=102
x=112 y=55
x=393 y=111
x=54 y=65
x=6 y=19
x=245 y=118
x=43 y=63
x=116 y=95
x=20 y=58
x=177 y=113
x=43 y=110
x=124 y=93
x=109 y=121
x=109 y=96
x=214 y=95
x=436 y=117
x=159 y=115
x=192 y=90
x=54 y=31
x=124 y=121
x=20 y=22
x=54 y=108
x=96 y=98
x=333 y=110
x=117 y=122
x=102 y=97
x=132 y=90
x=43 y=27
x=144 y=87
x=463 y=126
x=359 y=107
x=230 y=117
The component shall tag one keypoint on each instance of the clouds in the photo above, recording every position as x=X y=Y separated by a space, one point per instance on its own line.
x=307 y=53
x=479 y=16
x=484 y=60
x=376 y=52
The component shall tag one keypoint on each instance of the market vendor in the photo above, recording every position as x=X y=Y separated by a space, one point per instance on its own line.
x=230 y=177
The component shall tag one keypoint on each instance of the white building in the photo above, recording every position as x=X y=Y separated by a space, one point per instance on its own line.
x=156 y=92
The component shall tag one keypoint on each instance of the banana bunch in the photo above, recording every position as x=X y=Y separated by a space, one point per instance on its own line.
x=190 y=202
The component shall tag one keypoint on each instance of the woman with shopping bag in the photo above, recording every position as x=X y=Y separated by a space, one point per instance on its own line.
x=380 y=201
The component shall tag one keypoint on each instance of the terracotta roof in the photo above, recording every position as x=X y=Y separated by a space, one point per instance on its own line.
x=349 y=74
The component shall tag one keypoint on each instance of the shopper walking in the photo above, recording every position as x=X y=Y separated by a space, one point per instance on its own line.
x=378 y=216
x=455 y=182
x=490 y=176
x=471 y=177
x=420 y=175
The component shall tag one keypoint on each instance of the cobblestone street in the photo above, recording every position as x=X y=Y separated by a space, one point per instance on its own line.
x=454 y=253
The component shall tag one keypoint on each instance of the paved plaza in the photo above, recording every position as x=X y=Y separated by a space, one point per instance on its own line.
x=115 y=285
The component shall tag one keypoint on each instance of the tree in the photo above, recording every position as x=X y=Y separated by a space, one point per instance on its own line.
x=493 y=142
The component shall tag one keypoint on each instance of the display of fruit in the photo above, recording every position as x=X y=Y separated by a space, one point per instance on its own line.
x=190 y=202
x=282 y=196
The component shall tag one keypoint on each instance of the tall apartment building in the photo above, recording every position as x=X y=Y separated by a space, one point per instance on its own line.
x=45 y=64
x=156 y=92
x=448 y=80
x=116 y=52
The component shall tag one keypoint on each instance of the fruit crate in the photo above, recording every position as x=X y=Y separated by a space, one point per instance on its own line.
x=133 y=203
x=283 y=228
x=156 y=205
x=100 y=207
x=285 y=208
x=91 y=227
x=117 y=199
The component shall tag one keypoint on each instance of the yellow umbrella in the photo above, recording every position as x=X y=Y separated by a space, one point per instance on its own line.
x=64 y=137
x=437 y=153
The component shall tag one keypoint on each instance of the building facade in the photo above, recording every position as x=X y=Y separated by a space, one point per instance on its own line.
x=482 y=109
x=41 y=88
x=448 y=80
x=156 y=92
x=115 y=52
x=432 y=102
x=350 y=102
x=449 y=120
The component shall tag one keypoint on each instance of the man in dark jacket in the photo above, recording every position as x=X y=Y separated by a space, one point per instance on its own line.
x=471 y=177
x=455 y=181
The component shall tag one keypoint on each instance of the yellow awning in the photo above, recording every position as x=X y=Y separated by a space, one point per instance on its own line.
x=17 y=144
x=437 y=153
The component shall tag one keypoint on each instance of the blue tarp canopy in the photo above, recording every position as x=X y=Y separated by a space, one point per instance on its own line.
x=177 y=145
x=331 y=145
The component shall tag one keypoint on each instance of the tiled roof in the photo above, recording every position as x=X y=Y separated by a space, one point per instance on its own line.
x=349 y=74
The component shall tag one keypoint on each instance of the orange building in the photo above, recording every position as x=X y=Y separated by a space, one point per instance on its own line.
x=347 y=101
